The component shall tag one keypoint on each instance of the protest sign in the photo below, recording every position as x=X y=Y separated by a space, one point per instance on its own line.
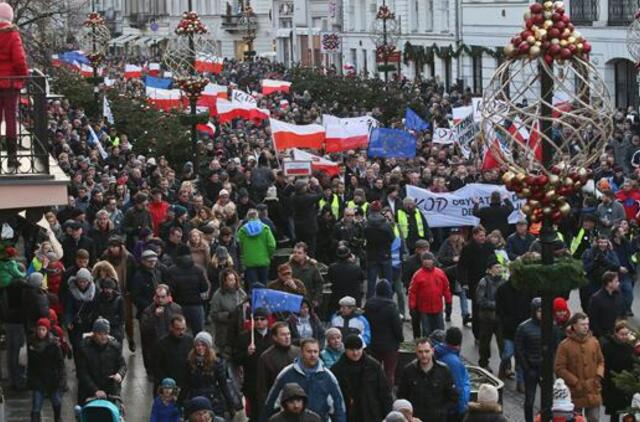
x=455 y=209
x=465 y=129
x=443 y=136
x=296 y=168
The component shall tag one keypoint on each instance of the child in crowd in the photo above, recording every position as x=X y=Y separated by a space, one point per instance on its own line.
x=164 y=407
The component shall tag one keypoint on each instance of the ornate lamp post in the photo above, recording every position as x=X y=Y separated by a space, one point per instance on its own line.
x=190 y=45
x=94 y=41
x=248 y=21
x=547 y=58
x=385 y=32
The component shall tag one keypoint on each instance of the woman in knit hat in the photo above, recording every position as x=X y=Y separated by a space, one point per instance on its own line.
x=45 y=372
x=486 y=408
x=562 y=409
x=207 y=376
x=12 y=63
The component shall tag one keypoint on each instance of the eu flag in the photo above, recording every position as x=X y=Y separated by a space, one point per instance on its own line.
x=275 y=300
x=160 y=83
x=391 y=143
x=414 y=122
x=71 y=57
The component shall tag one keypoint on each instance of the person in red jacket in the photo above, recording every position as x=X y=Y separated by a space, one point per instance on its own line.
x=12 y=64
x=429 y=285
x=629 y=197
x=158 y=209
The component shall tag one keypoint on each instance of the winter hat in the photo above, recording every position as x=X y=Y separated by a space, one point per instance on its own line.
x=559 y=304
x=222 y=252
x=6 y=12
x=343 y=252
x=183 y=250
x=108 y=283
x=168 y=383
x=402 y=404
x=35 y=280
x=333 y=331
x=347 y=301
x=491 y=261
x=383 y=289
x=453 y=336
x=101 y=325
x=376 y=206
x=395 y=417
x=437 y=337
x=261 y=312
x=44 y=322
x=84 y=274
x=52 y=256
x=179 y=210
x=197 y=404
x=427 y=255
x=149 y=255
x=272 y=193
x=561 y=397
x=204 y=337
x=487 y=393
x=353 y=342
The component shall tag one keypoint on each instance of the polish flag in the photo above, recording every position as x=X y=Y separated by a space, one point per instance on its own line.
x=287 y=135
x=164 y=99
x=207 y=128
x=208 y=63
x=215 y=90
x=154 y=69
x=269 y=86
x=317 y=163
x=227 y=110
x=348 y=133
x=87 y=71
x=284 y=104
x=132 y=71
x=55 y=60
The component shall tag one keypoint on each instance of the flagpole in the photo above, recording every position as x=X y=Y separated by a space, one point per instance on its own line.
x=253 y=334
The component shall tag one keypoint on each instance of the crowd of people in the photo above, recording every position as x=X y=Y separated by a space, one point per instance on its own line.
x=163 y=256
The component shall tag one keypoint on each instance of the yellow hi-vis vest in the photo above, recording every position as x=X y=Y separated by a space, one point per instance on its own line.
x=403 y=222
x=364 y=207
x=335 y=205
x=575 y=243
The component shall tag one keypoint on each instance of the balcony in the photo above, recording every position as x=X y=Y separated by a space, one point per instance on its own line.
x=34 y=180
x=621 y=12
x=584 y=12
x=238 y=23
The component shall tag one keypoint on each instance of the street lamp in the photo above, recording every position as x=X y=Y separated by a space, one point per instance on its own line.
x=247 y=19
x=94 y=41
x=385 y=32
x=547 y=145
x=184 y=57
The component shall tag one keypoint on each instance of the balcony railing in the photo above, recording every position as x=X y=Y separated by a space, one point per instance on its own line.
x=584 y=12
x=31 y=129
x=621 y=12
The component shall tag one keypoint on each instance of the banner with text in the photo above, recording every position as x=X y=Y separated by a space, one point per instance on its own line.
x=455 y=209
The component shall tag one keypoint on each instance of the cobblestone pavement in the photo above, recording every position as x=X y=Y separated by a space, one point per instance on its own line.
x=137 y=392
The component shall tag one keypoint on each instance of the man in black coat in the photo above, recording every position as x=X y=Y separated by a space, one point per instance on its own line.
x=496 y=215
x=35 y=301
x=171 y=353
x=13 y=317
x=100 y=365
x=472 y=267
x=346 y=278
x=77 y=240
x=386 y=328
x=189 y=285
x=304 y=209
x=428 y=385
x=606 y=306
x=136 y=218
x=144 y=281
x=379 y=237
x=246 y=354
x=365 y=389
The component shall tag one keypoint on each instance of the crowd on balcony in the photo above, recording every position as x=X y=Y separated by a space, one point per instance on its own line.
x=164 y=257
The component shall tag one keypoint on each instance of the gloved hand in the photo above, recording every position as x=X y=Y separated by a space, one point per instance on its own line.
x=448 y=309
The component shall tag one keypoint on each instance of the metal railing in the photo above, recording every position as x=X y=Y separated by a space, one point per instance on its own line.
x=621 y=12
x=584 y=12
x=32 y=151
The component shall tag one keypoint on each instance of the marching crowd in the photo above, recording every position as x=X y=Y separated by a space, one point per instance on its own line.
x=163 y=256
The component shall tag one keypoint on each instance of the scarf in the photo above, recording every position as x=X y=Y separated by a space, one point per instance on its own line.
x=82 y=296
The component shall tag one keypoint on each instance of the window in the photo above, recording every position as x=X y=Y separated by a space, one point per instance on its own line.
x=354 y=58
x=351 y=13
x=364 y=61
x=447 y=73
x=362 y=11
x=477 y=73
x=444 y=4
x=428 y=15
x=413 y=18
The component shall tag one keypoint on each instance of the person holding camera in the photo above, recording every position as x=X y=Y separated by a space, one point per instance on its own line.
x=597 y=260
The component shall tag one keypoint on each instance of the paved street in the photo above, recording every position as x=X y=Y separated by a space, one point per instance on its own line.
x=137 y=392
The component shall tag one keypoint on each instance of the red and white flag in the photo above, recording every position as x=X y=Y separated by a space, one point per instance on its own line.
x=287 y=135
x=269 y=86
x=229 y=110
x=154 y=69
x=317 y=163
x=347 y=133
x=86 y=71
x=561 y=104
x=132 y=71
x=207 y=128
x=55 y=60
x=208 y=63
x=164 y=99
x=215 y=90
x=284 y=104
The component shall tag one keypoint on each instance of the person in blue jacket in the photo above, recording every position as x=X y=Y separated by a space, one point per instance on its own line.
x=449 y=354
x=321 y=386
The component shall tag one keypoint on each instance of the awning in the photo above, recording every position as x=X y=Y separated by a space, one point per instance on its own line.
x=122 y=40
x=141 y=41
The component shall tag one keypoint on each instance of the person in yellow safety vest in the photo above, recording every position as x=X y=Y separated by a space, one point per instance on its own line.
x=498 y=242
x=334 y=202
x=585 y=236
x=359 y=201
x=413 y=225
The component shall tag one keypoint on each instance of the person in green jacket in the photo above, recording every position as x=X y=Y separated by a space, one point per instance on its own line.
x=257 y=246
x=9 y=267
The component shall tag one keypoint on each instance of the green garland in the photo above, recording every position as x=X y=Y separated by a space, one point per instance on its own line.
x=200 y=118
x=562 y=276
x=421 y=54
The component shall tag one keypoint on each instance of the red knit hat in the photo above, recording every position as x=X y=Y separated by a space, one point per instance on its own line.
x=559 y=304
x=44 y=322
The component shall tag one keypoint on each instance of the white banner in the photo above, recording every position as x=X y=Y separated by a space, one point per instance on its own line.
x=443 y=136
x=465 y=129
x=455 y=209
x=243 y=97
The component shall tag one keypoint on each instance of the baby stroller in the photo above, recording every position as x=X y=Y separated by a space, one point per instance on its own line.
x=100 y=410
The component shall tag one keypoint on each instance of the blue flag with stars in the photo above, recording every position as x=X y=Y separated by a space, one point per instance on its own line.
x=161 y=83
x=275 y=300
x=414 y=122
x=391 y=143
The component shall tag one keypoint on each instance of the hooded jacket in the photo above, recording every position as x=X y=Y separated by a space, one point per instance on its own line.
x=187 y=281
x=257 y=244
x=291 y=391
x=12 y=57
x=427 y=289
x=379 y=237
x=384 y=319
x=451 y=357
